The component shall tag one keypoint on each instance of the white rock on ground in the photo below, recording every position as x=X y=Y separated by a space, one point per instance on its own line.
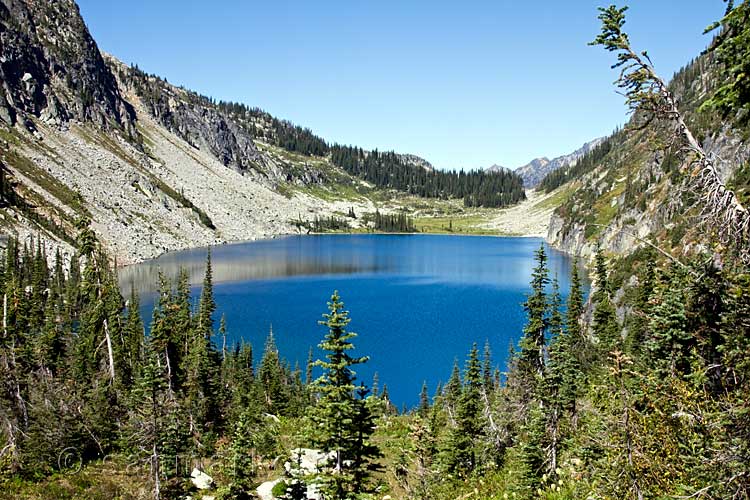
x=201 y=480
x=265 y=489
x=306 y=461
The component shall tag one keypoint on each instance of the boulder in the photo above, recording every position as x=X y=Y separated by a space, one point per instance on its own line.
x=305 y=461
x=201 y=480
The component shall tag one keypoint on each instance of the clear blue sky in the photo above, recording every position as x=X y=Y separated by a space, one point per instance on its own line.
x=463 y=84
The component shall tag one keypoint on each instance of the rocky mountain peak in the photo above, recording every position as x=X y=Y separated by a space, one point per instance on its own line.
x=416 y=161
x=539 y=162
x=533 y=172
x=51 y=68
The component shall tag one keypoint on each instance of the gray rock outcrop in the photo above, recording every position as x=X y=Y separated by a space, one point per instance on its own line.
x=51 y=68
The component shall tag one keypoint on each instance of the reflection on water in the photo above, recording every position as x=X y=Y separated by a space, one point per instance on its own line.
x=427 y=258
x=433 y=296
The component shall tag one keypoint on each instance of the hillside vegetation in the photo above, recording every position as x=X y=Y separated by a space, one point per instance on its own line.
x=156 y=167
x=640 y=391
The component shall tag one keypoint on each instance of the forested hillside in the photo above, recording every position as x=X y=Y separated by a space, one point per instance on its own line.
x=636 y=184
x=388 y=170
x=639 y=391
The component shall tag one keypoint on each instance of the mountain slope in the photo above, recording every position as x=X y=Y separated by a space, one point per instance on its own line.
x=156 y=167
x=533 y=172
x=634 y=188
x=76 y=141
x=51 y=68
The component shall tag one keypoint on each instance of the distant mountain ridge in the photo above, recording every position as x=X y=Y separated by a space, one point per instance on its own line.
x=537 y=169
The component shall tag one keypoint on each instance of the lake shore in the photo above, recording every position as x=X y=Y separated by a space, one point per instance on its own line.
x=528 y=219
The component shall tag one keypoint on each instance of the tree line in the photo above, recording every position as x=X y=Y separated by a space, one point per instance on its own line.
x=393 y=223
x=388 y=170
x=82 y=381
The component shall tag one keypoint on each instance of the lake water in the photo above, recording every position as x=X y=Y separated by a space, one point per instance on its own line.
x=417 y=302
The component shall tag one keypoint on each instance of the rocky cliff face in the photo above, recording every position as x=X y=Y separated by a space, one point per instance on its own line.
x=154 y=167
x=416 y=161
x=191 y=117
x=637 y=190
x=51 y=68
x=228 y=137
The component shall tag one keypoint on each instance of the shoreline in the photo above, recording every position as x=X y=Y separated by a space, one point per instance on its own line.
x=527 y=215
x=286 y=235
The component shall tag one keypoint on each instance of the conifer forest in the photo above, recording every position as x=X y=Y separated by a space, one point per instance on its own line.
x=630 y=378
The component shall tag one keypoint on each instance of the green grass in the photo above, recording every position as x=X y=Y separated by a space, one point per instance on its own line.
x=559 y=197
x=466 y=224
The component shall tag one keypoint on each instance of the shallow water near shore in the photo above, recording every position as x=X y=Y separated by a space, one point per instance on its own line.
x=417 y=301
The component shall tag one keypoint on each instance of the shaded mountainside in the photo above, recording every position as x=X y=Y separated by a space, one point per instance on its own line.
x=630 y=187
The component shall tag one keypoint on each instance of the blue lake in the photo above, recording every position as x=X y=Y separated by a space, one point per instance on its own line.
x=417 y=302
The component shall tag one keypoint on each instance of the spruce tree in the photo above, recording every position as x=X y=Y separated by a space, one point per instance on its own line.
x=203 y=364
x=487 y=380
x=604 y=325
x=532 y=347
x=461 y=455
x=452 y=389
x=242 y=466
x=272 y=380
x=207 y=305
x=132 y=340
x=341 y=421
x=424 y=401
x=668 y=342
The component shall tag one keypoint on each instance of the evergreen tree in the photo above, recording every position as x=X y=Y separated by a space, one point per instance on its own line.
x=452 y=390
x=242 y=467
x=309 y=369
x=461 y=455
x=203 y=365
x=532 y=347
x=342 y=423
x=668 y=345
x=424 y=401
x=132 y=340
x=207 y=305
x=638 y=327
x=146 y=426
x=604 y=324
x=272 y=379
x=487 y=381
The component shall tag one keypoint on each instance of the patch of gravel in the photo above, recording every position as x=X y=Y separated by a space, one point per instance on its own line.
x=136 y=220
x=527 y=218
x=265 y=489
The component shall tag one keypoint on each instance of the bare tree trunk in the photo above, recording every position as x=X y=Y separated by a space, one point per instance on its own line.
x=720 y=203
x=155 y=471
x=107 y=336
x=553 y=447
x=110 y=351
